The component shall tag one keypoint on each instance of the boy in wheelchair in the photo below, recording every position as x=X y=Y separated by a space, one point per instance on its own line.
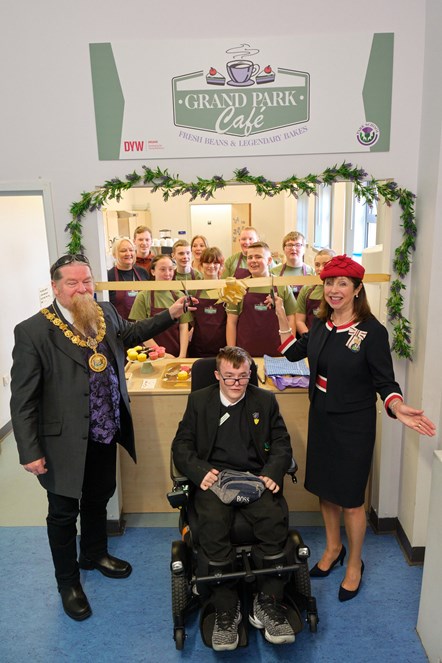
x=236 y=426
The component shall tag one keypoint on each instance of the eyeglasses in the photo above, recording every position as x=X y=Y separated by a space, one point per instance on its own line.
x=291 y=245
x=67 y=259
x=229 y=382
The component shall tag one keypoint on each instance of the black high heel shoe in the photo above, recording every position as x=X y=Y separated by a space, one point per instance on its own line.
x=316 y=572
x=348 y=594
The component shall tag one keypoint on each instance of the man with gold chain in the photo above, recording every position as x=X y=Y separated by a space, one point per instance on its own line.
x=69 y=409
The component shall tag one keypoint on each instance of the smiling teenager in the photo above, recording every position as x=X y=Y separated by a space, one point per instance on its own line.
x=251 y=323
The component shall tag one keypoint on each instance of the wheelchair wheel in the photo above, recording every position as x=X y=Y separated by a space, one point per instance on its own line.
x=312 y=620
x=180 y=594
x=301 y=580
x=179 y=637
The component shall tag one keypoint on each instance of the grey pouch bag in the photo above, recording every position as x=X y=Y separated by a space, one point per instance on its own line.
x=236 y=488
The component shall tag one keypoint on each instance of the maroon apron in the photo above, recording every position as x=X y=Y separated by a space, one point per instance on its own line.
x=209 y=328
x=240 y=272
x=295 y=288
x=311 y=307
x=181 y=277
x=123 y=299
x=170 y=338
x=257 y=327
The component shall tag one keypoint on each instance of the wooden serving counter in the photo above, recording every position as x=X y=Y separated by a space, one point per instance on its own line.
x=157 y=409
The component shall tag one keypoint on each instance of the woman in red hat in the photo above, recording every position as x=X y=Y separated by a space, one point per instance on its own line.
x=350 y=361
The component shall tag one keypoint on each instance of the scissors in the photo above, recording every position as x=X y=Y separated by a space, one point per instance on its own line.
x=272 y=295
x=188 y=301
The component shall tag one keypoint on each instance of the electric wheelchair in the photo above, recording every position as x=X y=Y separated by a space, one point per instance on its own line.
x=191 y=575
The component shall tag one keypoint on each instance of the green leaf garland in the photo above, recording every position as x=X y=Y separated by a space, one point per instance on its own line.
x=365 y=188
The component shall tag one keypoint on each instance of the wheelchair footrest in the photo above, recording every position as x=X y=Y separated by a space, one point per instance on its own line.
x=294 y=616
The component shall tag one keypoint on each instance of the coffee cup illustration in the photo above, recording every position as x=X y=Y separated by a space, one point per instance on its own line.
x=241 y=71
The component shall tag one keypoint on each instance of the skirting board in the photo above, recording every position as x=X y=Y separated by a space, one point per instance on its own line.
x=413 y=555
x=116 y=527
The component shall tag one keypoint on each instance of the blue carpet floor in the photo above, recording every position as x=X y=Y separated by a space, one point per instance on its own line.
x=131 y=619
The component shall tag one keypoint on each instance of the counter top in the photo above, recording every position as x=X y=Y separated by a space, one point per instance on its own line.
x=147 y=378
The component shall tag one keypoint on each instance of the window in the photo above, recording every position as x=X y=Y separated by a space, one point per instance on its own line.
x=323 y=216
x=364 y=220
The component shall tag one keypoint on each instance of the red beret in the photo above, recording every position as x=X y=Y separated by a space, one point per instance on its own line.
x=342 y=266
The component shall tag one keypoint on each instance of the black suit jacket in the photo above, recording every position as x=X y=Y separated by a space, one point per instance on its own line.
x=353 y=378
x=50 y=394
x=196 y=435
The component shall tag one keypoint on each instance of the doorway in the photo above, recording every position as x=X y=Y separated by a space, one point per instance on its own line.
x=220 y=224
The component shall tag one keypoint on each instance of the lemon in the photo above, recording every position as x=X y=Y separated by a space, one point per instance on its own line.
x=142 y=356
x=182 y=375
x=132 y=354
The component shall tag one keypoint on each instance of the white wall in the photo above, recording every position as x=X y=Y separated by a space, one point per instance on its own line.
x=424 y=375
x=25 y=268
x=51 y=134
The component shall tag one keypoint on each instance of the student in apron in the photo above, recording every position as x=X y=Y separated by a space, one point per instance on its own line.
x=182 y=255
x=251 y=324
x=209 y=319
x=310 y=296
x=236 y=265
x=198 y=245
x=125 y=269
x=293 y=245
x=148 y=303
x=143 y=244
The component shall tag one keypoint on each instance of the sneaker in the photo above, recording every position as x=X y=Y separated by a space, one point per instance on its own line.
x=225 y=632
x=271 y=615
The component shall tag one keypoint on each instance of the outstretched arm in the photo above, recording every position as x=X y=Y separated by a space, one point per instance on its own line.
x=414 y=419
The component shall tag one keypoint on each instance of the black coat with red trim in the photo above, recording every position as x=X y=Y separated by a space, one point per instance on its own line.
x=354 y=375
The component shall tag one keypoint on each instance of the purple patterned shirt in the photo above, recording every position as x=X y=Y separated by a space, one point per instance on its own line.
x=104 y=399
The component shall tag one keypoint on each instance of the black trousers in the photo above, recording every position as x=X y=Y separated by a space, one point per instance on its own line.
x=268 y=518
x=98 y=487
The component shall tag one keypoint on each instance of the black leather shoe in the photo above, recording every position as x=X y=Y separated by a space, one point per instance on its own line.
x=109 y=566
x=348 y=594
x=75 y=603
x=316 y=572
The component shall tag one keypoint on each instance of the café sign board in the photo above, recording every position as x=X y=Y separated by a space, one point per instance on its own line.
x=254 y=98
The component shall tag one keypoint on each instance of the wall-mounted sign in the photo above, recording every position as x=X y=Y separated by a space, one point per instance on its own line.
x=160 y=99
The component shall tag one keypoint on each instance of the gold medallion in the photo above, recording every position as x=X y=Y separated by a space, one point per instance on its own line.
x=97 y=362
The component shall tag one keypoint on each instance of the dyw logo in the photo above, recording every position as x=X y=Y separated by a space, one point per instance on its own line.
x=134 y=145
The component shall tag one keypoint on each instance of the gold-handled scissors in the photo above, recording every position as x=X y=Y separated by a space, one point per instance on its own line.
x=188 y=301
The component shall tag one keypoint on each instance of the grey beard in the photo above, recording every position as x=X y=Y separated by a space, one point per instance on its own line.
x=85 y=314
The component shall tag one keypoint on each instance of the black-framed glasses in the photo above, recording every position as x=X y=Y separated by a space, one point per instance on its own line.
x=229 y=382
x=67 y=259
